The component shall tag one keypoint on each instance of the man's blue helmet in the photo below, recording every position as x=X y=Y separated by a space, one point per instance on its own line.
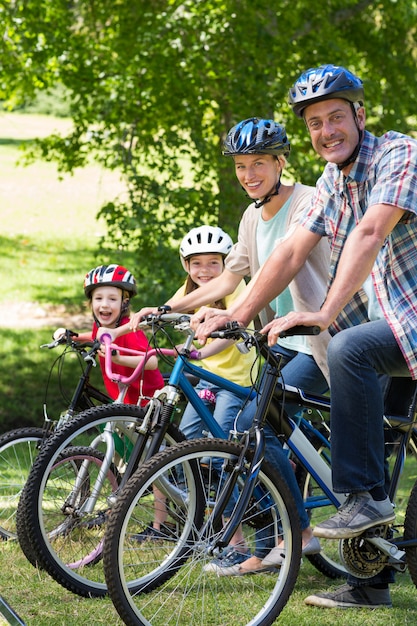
x=324 y=83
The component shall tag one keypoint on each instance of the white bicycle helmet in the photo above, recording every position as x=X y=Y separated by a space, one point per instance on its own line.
x=205 y=240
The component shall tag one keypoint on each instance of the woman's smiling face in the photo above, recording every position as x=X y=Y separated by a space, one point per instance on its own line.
x=257 y=173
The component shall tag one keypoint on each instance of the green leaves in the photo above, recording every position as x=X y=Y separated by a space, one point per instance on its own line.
x=154 y=87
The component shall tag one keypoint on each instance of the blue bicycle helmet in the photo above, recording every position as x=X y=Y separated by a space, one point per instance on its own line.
x=257 y=136
x=324 y=83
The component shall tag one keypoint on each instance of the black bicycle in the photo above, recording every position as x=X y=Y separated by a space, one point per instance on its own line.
x=195 y=482
x=20 y=446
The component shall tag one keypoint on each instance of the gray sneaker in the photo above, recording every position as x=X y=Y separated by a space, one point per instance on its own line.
x=346 y=597
x=357 y=514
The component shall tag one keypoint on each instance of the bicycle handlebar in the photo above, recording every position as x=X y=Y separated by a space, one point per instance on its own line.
x=137 y=371
x=233 y=330
x=64 y=336
x=181 y=322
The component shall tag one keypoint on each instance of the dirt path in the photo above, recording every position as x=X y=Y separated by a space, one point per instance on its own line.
x=35 y=315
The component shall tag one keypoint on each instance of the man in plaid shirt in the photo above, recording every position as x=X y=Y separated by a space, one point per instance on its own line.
x=365 y=203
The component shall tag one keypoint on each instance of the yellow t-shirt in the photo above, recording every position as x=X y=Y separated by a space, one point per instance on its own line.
x=230 y=363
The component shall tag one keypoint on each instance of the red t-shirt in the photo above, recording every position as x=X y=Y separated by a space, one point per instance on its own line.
x=147 y=383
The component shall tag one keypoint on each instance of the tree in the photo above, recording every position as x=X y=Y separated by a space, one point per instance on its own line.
x=154 y=87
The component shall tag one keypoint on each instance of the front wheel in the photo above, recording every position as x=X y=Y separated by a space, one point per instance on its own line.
x=168 y=578
x=65 y=535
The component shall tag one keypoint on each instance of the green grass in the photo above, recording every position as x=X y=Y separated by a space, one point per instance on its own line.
x=25 y=380
x=42 y=602
x=49 y=240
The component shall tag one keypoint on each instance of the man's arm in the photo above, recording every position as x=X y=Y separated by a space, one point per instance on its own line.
x=355 y=265
x=358 y=257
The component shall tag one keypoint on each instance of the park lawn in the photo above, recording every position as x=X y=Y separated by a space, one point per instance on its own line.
x=50 y=233
x=40 y=601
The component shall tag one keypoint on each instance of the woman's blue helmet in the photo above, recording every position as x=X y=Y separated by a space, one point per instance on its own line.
x=257 y=136
x=324 y=83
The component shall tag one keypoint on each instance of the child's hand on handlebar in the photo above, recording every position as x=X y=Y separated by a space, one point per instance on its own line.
x=59 y=333
x=107 y=331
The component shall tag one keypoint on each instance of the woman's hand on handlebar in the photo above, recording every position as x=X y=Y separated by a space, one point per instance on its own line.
x=207 y=320
x=138 y=317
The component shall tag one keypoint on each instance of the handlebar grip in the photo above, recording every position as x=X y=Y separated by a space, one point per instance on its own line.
x=300 y=330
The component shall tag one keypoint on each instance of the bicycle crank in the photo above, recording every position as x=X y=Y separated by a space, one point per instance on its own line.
x=368 y=554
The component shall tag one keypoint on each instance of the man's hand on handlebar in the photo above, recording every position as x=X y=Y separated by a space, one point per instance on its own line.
x=294 y=318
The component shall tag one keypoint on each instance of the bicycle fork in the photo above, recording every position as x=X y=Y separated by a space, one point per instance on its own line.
x=88 y=505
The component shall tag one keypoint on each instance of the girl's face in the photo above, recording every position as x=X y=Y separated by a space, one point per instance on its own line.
x=257 y=173
x=106 y=303
x=204 y=267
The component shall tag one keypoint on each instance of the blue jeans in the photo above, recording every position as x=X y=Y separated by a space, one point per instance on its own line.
x=224 y=412
x=357 y=357
x=303 y=372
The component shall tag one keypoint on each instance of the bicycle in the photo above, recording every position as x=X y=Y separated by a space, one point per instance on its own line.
x=9 y=614
x=19 y=447
x=155 y=571
x=152 y=426
x=51 y=483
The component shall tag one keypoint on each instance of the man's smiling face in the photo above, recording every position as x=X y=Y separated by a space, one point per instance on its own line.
x=333 y=129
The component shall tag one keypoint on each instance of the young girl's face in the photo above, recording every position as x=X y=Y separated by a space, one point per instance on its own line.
x=106 y=303
x=204 y=267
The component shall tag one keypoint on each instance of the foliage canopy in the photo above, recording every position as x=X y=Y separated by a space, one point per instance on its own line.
x=154 y=86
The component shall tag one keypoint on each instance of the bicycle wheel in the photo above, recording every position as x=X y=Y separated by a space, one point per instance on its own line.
x=410 y=533
x=65 y=472
x=319 y=508
x=18 y=449
x=163 y=581
x=63 y=537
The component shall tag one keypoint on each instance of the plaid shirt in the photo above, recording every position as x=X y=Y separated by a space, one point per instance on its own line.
x=385 y=172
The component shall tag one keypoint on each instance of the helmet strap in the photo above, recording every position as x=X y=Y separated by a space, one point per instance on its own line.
x=355 y=152
x=269 y=196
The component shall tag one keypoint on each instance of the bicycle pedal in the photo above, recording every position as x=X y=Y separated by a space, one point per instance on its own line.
x=377 y=531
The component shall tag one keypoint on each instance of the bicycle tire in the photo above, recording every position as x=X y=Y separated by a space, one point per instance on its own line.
x=39 y=507
x=18 y=450
x=74 y=456
x=143 y=577
x=410 y=533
